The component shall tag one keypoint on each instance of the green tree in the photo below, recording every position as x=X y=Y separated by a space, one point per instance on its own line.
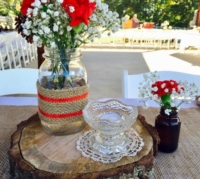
x=9 y=7
x=178 y=12
x=181 y=12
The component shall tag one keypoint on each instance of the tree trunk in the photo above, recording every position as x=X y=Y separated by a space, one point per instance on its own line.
x=198 y=16
x=35 y=154
x=40 y=51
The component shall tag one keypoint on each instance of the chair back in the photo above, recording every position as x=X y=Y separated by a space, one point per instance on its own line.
x=18 y=81
x=4 y=55
x=130 y=83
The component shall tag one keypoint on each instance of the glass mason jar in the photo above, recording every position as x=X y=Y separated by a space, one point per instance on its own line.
x=168 y=127
x=62 y=92
x=62 y=69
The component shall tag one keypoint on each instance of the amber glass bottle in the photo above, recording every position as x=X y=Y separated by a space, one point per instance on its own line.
x=168 y=127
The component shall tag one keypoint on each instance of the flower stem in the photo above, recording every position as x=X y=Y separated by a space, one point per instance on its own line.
x=64 y=59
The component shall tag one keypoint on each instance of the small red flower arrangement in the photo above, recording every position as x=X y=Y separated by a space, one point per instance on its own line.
x=166 y=87
x=170 y=94
x=164 y=90
x=81 y=13
x=64 y=24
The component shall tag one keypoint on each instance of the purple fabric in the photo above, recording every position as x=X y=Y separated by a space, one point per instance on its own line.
x=18 y=101
x=32 y=101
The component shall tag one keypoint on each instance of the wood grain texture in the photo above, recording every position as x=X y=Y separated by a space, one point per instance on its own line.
x=36 y=154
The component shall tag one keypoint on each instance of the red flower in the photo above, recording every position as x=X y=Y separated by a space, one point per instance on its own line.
x=79 y=10
x=25 y=5
x=165 y=87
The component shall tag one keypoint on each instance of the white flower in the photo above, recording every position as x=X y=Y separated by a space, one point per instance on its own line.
x=95 y=30
x=56 y=13
x=71 y=9
x=35 y=38
x=109 y=13
x=98 y=2
x=61 y=32
x=50 y=11
x=35 y=11
x=155 y=97
x=26 y=32
x=93 y=17
x=29 y=11
x=39 y=43
x=27 y=24
x=55 y=28
x=85 y=27
x=60 y=1
x=115 y=14
x=155 y=88
x=46 y=30
x=53 y=44
x=173 y=104
x=90 y=30
x=166 y=90
x=40 y=32
x=44 y=1
x=163 y=85
x=37 y=3
x=91 y=38
x=168 y=111
x=50 y=6
x=43 y=14
x=69 y=28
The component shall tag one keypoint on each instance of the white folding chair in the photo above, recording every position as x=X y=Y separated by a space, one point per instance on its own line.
x=118 y=38
x=148 y=38
x=4 y=55
x=137 y=37
x=18 y=81
x=32 y=51
x=13 y=50
x=24 y=50
x=164 y=38
x=130 y=83
x=128 y=36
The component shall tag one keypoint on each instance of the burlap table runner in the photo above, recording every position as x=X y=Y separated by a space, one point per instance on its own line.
x=182 y=164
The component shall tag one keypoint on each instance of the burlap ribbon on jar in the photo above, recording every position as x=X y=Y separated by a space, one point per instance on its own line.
x=60 y=111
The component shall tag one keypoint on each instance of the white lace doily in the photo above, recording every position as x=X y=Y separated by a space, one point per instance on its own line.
x=132 y=146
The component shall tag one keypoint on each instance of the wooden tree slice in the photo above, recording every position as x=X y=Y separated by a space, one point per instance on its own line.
x=36 y=154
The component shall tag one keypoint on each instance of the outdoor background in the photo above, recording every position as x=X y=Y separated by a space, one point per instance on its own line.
x=179 y=13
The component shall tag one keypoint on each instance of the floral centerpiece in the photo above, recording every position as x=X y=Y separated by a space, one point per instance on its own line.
x=61 y=26
x=64 y=25
x=169 y=94
x=67 y=23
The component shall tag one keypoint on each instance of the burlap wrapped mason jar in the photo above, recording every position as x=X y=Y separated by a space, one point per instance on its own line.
x=60 y=111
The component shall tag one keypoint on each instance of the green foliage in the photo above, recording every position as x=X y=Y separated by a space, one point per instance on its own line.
x=9 y=7
x=178 y=12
